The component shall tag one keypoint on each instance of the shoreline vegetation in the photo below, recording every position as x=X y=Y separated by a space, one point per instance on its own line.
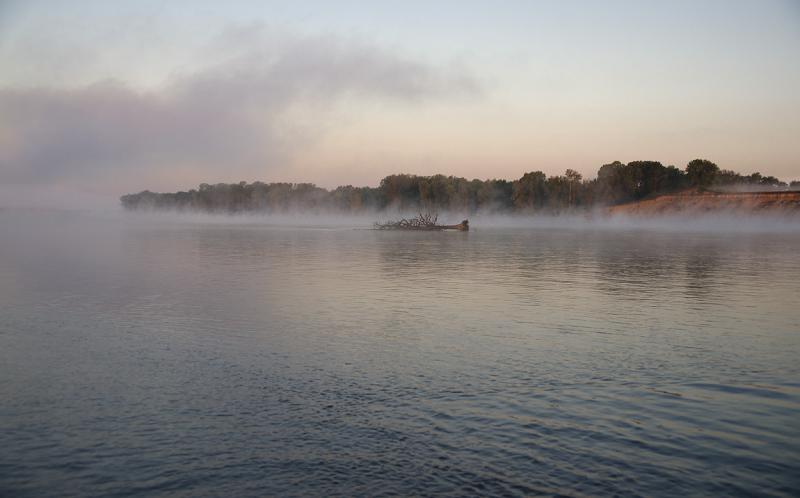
x=639 y=187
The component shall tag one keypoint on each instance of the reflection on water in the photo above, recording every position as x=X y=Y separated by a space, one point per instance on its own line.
x=160 y=357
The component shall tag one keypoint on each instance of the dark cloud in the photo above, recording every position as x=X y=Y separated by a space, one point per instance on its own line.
x=233 y=114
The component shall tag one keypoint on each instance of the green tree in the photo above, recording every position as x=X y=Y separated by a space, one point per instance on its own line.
x=701 y=173
x=610 y=184
x=530 y=191
x=574 y=182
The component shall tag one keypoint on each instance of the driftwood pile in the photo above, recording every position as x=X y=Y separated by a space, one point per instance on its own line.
x=423 y=221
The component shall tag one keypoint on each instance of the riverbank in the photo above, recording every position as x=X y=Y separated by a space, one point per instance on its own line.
x=778 y=203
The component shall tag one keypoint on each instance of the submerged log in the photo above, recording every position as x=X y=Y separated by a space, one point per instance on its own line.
x=423 y=221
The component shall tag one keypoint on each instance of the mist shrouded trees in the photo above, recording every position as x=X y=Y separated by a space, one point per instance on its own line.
x=701 y=173
x=616 y=183
x=530 y=191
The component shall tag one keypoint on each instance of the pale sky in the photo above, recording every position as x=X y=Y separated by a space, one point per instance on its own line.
x=115 y=97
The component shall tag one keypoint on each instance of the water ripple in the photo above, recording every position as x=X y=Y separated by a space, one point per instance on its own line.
x=200 y=360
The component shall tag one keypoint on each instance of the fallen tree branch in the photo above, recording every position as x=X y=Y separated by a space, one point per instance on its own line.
x=423 y=221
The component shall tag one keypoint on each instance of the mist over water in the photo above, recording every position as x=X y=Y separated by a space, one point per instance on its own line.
x=299 y=355
x=593 y=221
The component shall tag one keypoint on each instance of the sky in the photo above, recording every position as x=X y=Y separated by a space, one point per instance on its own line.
x=104 y=98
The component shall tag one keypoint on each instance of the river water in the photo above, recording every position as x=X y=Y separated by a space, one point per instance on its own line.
x=146 y=356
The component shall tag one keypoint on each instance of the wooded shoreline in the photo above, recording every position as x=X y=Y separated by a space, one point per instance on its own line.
x=616 y=184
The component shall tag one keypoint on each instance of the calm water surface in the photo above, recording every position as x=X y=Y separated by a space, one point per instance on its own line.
x=190 y=358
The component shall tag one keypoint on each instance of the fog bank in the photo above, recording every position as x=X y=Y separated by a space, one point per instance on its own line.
x=590 y=221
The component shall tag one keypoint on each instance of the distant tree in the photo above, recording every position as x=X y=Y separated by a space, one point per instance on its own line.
x=726 y=177
x=558 y=193
x=701 y=173
x=573 y=182
x=651 y=177
x=495 y=195
x=772 y=182
x=610 y=184
x=401 y=190
x=436 y=190
x=673 y=179
x=530 y=191
x=473 y=189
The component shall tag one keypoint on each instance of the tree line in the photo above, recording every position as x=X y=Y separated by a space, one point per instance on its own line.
x=616 y=183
